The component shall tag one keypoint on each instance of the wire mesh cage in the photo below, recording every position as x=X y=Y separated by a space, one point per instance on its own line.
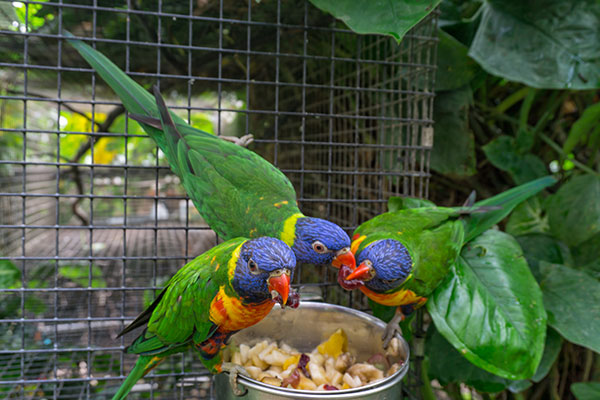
x=92 y=220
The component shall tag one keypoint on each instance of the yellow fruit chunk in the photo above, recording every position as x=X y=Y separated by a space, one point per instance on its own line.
x=335 y=345
x=291 y=360
x=345 y=386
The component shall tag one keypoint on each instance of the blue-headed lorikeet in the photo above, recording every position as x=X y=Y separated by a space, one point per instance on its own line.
x=236 y=191
x=228 y=288
x=403 y=255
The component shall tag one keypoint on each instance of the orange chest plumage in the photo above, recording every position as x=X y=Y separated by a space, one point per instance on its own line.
x=230 y=314
x=399 y=298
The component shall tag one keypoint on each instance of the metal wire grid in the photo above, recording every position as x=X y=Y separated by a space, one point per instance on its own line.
x=346 y=117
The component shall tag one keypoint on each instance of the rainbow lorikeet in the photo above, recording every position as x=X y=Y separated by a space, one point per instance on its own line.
x=403 y=255
x=228 y=288
x=236 y=191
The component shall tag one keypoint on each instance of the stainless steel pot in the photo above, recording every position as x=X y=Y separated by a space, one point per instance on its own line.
x=305 y=328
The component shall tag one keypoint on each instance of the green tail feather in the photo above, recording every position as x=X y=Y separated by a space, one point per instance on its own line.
x=477 y=223
x=134 y=97
x=143 y=365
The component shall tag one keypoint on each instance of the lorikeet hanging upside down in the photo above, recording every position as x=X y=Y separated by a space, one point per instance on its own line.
x=230 y=287
x=403 y=255
x=237 y=192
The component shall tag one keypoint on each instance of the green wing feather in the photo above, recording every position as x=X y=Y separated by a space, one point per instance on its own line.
x=236 y=191
x=181 y=311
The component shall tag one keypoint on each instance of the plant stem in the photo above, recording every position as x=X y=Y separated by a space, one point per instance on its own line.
x=426 y=390
x=560 y=151
x=512 y=100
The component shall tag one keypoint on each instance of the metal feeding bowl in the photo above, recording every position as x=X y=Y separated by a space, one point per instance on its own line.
x=304 y=329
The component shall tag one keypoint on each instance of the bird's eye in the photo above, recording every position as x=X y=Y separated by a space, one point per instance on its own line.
x=253 y=266
x=319 y=247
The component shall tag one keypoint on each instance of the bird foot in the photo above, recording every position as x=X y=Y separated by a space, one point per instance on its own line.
x=234 y=370
x=392 y=328
x=352 y=284
x=243 y=141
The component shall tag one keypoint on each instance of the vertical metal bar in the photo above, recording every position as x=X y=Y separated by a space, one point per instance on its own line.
x=277 y=60
x=91 y=229
x=24 y=198
x=57 y=205
x=248 y=47
x=125 y=192
x=303 y=109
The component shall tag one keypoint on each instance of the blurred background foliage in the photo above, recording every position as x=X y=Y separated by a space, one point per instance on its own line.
x=516 y=98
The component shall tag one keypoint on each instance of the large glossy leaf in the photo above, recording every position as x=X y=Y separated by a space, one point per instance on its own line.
x=572 y=300
x=453 y=150
x=586 y=390
x=544 y=43
x=539 y=247
x=490 y=307
x=501 y=152
x=448 y=366
x=391 y=17
x=528 y=217
x=574 y=211
x=454 y=67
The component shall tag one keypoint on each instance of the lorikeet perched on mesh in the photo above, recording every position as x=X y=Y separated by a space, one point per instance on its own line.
x=236 y=191
x=228 y=288
x=403 y=255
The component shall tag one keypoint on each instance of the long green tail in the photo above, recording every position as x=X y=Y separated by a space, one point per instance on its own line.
x=134 y=97
x=143 y=365
x=506 y=201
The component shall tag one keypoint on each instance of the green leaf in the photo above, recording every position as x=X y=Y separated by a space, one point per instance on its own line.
x=539 y=247
x=490 y=307
x=586 y=256
x=586 y=390
x=477 y=223
x=10 y=275
x=545 y=44
x=454 y=67
x=585 y=124
x=574 y=211
x=448 y=366
x=551 y=351
x=453 y=150
x=572 y=300
x=528 y=217
x=80 y=275
x=391 y=17
x=501 y=152
x=396 y=203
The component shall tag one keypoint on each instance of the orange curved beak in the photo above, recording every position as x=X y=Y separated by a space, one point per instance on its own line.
x=344 y=257
x=361 y=273
x=279 y=284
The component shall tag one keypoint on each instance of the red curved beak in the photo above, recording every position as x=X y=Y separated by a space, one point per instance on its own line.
x=279 y=285
x=361 y=273
x=344 y=257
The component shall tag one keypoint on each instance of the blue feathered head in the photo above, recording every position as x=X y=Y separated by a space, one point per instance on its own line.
x=319 y=241
x=383 y=265
x=264 y=270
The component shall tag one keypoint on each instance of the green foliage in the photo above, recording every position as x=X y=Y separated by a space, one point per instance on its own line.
x=10 y=276
x=392 y=17
x=80 y=274
x=490 y=307
x=454 y=147
x=586 y=391
x=572 y=299
x=544 y=44
x=574 y=211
